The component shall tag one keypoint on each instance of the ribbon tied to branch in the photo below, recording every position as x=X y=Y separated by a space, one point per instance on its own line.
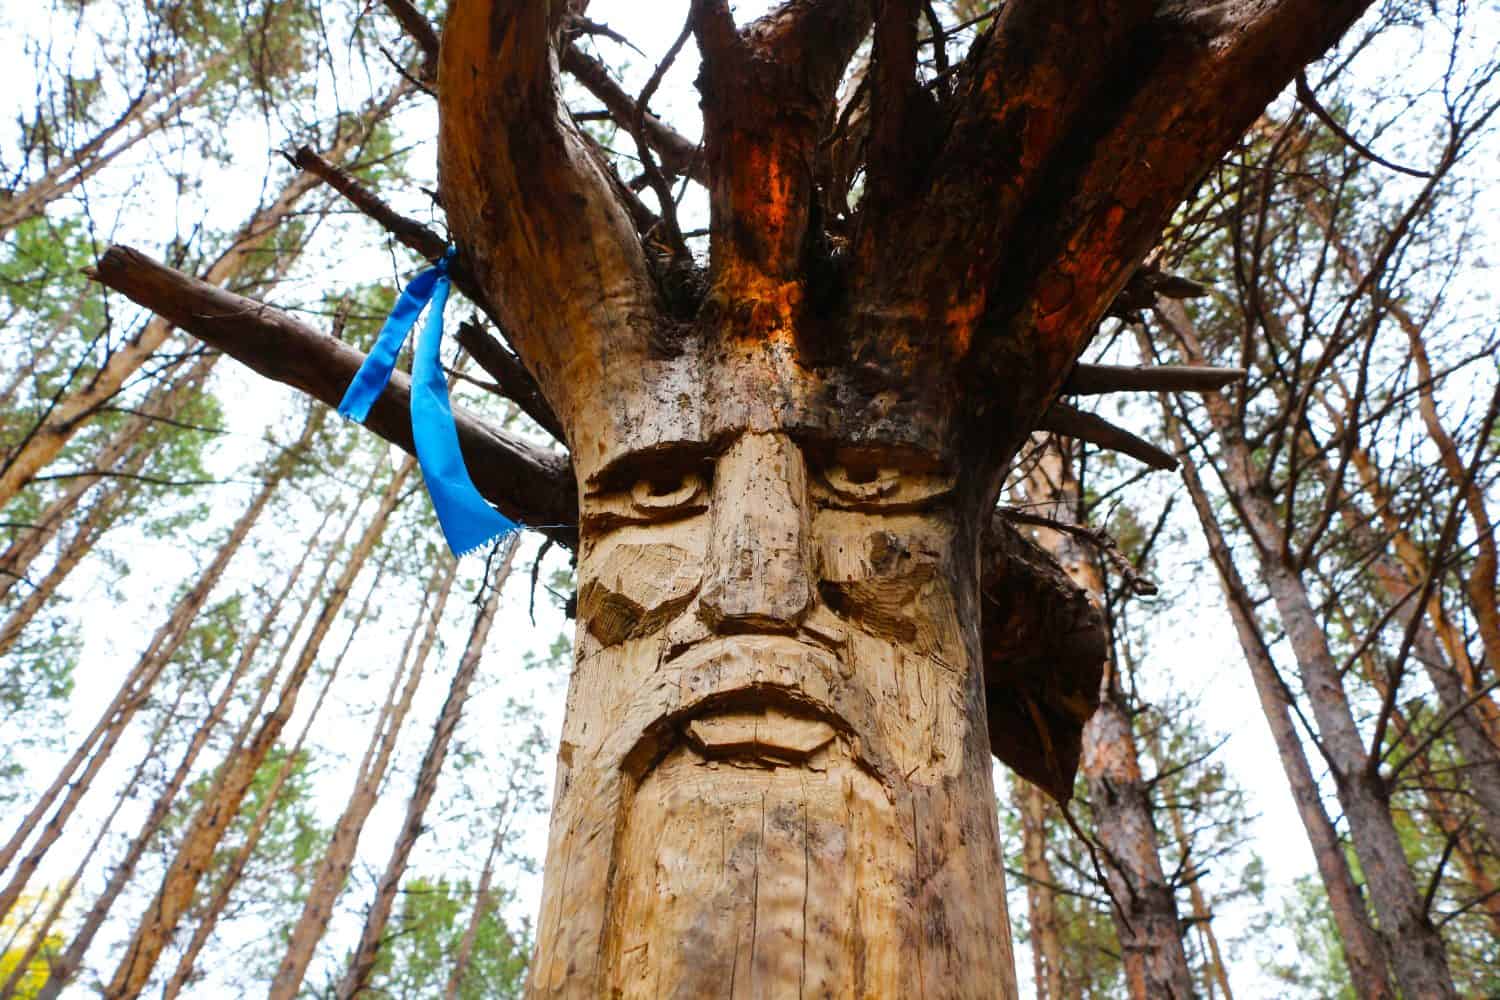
x=467 y=519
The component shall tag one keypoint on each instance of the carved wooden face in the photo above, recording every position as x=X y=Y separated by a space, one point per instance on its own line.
x=774 y=688
x=790 y=591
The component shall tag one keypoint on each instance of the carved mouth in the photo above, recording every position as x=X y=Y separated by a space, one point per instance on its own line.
x=772 y=699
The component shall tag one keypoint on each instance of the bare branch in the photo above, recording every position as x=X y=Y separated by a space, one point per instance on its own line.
x=1093 y=380
x=678 y=153
x=1072 y=422
x=512 y=379
x=525 y=482
x=421 y=31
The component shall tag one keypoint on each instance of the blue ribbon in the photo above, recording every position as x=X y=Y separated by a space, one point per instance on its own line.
x=467 y=519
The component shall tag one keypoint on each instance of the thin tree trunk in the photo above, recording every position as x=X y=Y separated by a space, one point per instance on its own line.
x=1364 y=951
x=1413 y=561
x=482 y=906
x=1416 y=949
x=67 y=966
x=1483 y=584
x=95 y=522
x=1470 y=732
x=1041 y=898
x=159 y=653
x=333 y=870
x=63 y=895
x=212 y=818
x=1145 y=911
x=1215 y=972
x=163 y=402
x=137 y=122
x=362 y=962
x=227 y=883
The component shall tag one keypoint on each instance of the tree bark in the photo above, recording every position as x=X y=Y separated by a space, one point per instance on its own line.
x=372 y=937
x=1216 y=972
x=213 y=817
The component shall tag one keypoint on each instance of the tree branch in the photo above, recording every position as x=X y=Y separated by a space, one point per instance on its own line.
x=1072 y=422
x=1093 y=380
x=421 y=31
x=511 y=378
x=531 y=485
x=538 y=224
x=516 y=383
x=679 y=154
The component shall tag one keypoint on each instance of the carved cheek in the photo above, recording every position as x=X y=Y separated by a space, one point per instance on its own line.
x=638 y=579
x=886 y=575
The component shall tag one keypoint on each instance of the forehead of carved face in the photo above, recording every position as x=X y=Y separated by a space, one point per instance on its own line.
x=779 y=567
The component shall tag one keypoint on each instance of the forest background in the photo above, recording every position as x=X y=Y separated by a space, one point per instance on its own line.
x=200 y=573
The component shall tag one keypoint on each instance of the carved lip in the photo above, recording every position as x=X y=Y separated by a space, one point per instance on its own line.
x=752 y=671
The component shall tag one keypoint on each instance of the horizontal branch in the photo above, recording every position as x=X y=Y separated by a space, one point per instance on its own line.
x=1092 y=380
x=1069 y=421
x=407 y=231
x=527 y=483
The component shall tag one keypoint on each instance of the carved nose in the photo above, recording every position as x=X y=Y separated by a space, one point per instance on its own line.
x=756 y=573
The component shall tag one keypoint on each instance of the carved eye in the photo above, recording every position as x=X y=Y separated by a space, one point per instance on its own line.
x=666 y=494
x=869 y=483
x=862 y=480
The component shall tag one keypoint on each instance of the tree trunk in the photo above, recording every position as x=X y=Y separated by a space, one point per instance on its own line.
x=1364 y=951
x=372 y=937
x=65 y=894
x=333 y=870
x=774 y=772
x=1481 y=775
x=101 y=514
x=137 y=122
x=482 y=907
x=1416 y=949
x=182 y=975
x=213 y=817
x=67 y=965
x=1145 y=908
x=162 y=402
x=1216 y=973
x=1041 y=899
x=1483 y=584
x=158 y=654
